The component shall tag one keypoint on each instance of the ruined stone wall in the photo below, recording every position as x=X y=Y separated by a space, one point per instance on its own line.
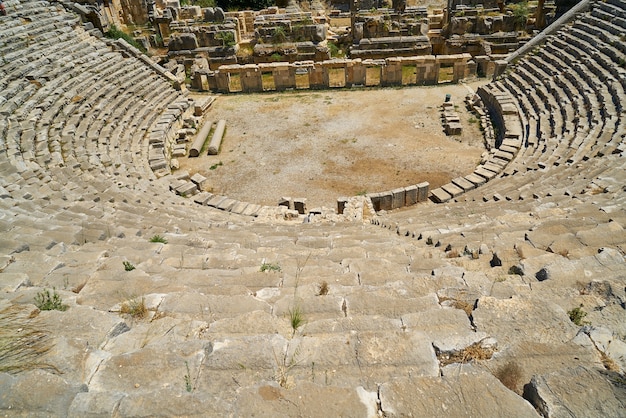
x=397 y=71
x=135 y=11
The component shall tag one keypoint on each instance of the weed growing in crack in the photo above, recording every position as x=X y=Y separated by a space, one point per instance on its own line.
x=577 y=316
x=136 y=308
x=158 y=238
x=49 y=302
x=187 y=377
x=270 y=267
x=296 y=318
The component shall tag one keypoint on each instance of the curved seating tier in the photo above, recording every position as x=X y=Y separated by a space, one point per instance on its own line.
x=248 y=318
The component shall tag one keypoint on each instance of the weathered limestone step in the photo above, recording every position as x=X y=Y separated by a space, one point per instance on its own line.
x=399 y=398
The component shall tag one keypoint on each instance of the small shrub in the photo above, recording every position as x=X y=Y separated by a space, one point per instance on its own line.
x=577 y=316
x=510 y=375
x=158 y=238
x=322 y=288
x=227 y=38
x=270 y=267
x=115 y=33
x=516 y=270
x=296 y=318
x=128 y=266
x=136 y=308
x=279 y=36
x=276 y=57
x=47 y=302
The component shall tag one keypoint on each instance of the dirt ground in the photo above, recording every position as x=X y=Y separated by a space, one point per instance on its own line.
x=325 y=144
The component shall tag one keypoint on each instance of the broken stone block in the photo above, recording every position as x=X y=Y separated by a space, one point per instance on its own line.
x=573 y=392
x=199 y=180
x=286 y=202
x=299 y=204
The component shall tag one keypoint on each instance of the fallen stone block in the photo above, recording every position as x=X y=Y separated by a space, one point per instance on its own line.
x=440 y=196
x=199 y=180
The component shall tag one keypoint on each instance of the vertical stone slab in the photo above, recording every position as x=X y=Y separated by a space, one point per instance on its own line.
x=222 y=81
x=251 y=81
x=284 y=76
x=386 y=201
x=358 y=73
x=318 y=77
x=341 y=204
x=422 y=191
x=397 y=198
x=299 y=204
x=392 y=72
x=410 y=195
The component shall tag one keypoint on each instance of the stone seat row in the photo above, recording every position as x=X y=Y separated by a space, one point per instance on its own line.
x=512 y=139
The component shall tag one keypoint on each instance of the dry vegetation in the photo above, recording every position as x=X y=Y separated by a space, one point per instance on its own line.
x=470 y=353
x=510 y=374
x=22 y=343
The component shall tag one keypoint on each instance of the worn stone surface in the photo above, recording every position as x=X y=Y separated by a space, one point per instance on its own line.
x=578 y=391
x=461 y=391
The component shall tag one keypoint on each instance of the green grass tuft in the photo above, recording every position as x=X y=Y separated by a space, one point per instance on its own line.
x=158 y=238
x=270 y=267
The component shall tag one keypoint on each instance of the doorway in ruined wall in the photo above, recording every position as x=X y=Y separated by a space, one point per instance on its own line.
x=234 y=82
x=373 y=75
x=302 y=78
x=267 y=81
x=337 y=77
x=446 y=73
x=409 y=75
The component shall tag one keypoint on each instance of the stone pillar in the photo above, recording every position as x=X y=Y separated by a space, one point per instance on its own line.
x=251 y=81
x=358 y=73
x=500 y=68
x=459 y=71
x=284 y=76
x=222 y=78
x=318 y=77
x=392 y=72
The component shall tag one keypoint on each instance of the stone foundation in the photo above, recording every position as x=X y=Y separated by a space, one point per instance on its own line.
x=397 y=71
